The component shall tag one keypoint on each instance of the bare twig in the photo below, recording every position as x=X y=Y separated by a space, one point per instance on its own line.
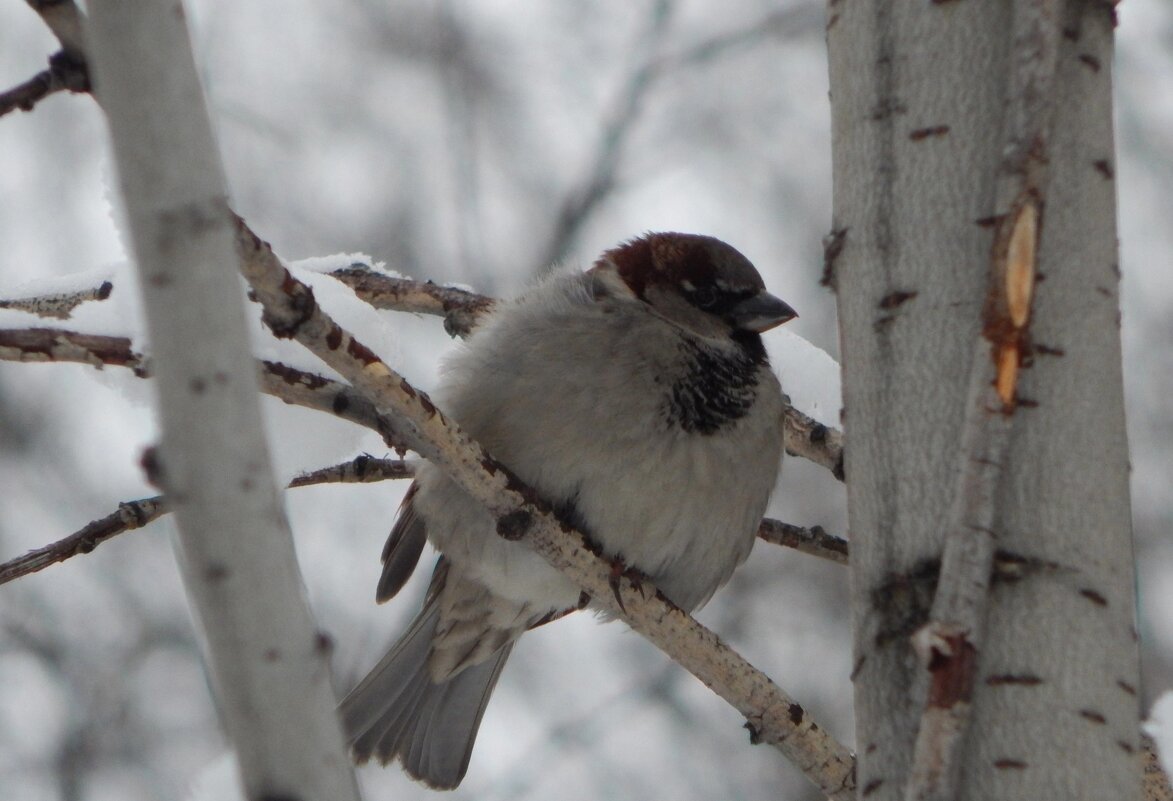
x=66 y=22
x=59 y=305
x=67 y=71
x=129 y=516
x=814 y=541
x=290 y=311
x=56 y=345
x=949 y=643
x=65 y=74
x=132 y=515
x=460 y=309
x=808 y=438
x=362 y=469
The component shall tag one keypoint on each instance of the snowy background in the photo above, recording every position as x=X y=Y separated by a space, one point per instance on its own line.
x=476 y=142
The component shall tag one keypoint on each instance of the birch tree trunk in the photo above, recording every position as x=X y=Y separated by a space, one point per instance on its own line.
x=927 y=105
x=270 y=666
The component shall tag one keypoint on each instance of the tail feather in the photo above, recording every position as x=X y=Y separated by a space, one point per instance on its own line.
x=399 y=712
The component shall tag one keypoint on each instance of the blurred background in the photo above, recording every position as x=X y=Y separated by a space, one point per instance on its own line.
x=477 y=142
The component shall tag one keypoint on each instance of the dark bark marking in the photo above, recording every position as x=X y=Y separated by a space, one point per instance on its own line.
x=857 y=668
x=197 y=385
x=903 y=601
x=514 y=525
x=989 y=222
x=1104 y=168
x=1093 y=716
x=1123 y=685
x=216 y=572
x=894 y=299
x=1128 y=747
x=1020 y=679
x=152 y=466
x=755 y=734
x=888 y=107
x=1091 y=61
x=1011 y=567
x=361 y=352
x=1103 y=290
x=952 y=673
x=1094 y=597
x=876 y=784
x=1047 y=350
x=272 y=654
x=1009 y=764
x=921 y=134
x=1026 y=403
x=323 y=643
x=796 y=714
x=832 y=247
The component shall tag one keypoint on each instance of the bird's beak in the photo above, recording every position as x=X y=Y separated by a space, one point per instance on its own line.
x=761 y=313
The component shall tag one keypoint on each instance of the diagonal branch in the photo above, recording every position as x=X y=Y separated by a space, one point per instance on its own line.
x=291 y=312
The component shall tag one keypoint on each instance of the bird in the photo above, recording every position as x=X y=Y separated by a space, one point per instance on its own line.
x=636 y=397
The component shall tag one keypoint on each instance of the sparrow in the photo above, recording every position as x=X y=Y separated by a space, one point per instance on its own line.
x=637 y=398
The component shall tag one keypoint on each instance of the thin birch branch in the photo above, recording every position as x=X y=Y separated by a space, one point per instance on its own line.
x=362 y=469
x=949 y=644
x=289 y=384
x=131 y=515
x=58 y=305
x=291 y=312
x=460 y=309
x=67 y=69
x=809 y=439
x=67 y=23
x=269 y=664
x=814 y=541
x=65 y=74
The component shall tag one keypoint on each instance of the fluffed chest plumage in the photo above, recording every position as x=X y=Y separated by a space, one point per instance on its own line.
x=663 y=447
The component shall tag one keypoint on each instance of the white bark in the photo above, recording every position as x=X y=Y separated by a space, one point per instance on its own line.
x=919 y=99
x=270 y=666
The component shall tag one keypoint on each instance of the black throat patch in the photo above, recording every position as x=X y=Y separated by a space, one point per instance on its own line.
x=718 y=386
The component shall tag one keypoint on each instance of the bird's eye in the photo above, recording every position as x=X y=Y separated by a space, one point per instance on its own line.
x=705 y=297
